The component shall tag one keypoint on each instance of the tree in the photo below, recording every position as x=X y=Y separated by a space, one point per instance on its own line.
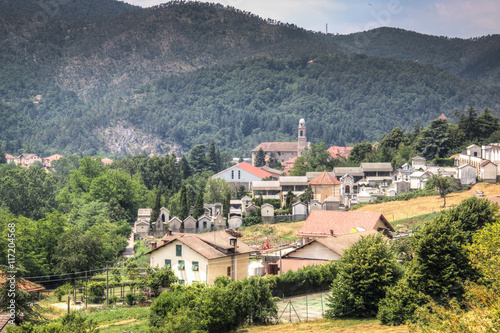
x=365 y=271
x=198 y=209
x=468 y=124
x=433 y=141
x=212 y=158
x=185 y=167
x=3 y=160
x=226 y=205
x=484 y=253
x=157 y=278
x=197 y=158
x=260 y=158
x=307 y=196
x=184 y=204
x=443 y=185
x=155 y=212
x=361 y=152
x=216 y=190
x=300 y=167
x=241 y=192
x=487 y=124
x=289 y=200
x=317 y=157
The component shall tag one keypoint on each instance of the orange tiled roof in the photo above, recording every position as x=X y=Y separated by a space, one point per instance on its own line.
x=9 y=157
x=337 y=151
x=325 y=179
x=320 y=223
x=442 y=116
x=106 y=161
x=25 y=285
x=249 y=168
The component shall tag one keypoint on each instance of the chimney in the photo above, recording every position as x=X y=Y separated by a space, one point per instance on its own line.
x=169 y=232
x=233 y=241
x=331 y=232
x=153 y=245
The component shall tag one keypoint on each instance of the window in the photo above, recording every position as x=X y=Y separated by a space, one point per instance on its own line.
x=195 y=266
x=182 y=282
x=232 y=174
x=204 y=224
x=475 y=154
x=229 y=271
x=239 y=174
x=168 y=263
x=181 y=265
x=178 y=250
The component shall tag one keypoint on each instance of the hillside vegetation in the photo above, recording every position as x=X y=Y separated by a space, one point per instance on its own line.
x=172 y=76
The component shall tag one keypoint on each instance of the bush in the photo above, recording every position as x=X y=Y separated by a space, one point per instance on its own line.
x=444 y=162
x=65 y=289
x=96 y=290
x=130 y=299
x=304 y=280
x=113 y=299
x=365 y=271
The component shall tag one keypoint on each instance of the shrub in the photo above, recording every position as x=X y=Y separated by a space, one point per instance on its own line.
x=113 y=299
x=365 y=271
x=130 y=299
x=65 y=289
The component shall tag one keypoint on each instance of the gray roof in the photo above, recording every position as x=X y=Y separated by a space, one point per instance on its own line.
x=383 y=166
x=353 y=171
x=313 y=174
x=266 y=185
x=292 y=180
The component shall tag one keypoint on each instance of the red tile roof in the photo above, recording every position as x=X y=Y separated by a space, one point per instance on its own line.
x=9 y=157
x=324 y=179
x=249 y=168
x=337 y=151
x=106 y=161
x=25 y=285
x=4 y=320
x=442 y=116
x=209 y=244
x=321 y=223
x=486 y=163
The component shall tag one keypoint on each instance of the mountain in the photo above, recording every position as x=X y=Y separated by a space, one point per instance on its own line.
x=474 y=58
x=114 y=78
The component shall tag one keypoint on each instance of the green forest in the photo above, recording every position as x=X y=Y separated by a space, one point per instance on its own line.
x=185 y=73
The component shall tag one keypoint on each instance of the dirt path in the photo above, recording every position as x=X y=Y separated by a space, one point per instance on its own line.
x=121 y=322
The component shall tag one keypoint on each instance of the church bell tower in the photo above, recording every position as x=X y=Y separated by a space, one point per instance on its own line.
x=302 y=138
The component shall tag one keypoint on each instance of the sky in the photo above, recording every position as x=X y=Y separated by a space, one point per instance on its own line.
x=451 y=18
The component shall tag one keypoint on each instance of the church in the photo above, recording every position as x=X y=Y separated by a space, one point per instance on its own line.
x=284 y=151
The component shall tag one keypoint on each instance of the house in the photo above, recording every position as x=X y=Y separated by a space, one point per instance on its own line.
x=321 y=250
x=47 y=161
x=268 y=189
x=467 y=174
x=204 y=224
x=142 y=225
x=325 y=223
x=418 y=162
x=202 y=257
x=243 y=174
x=106 y=161
x=284 y=151
x=31 y=288
x=419 y=179
x=488 y=172
x=377 y=171
x=336 y=151
x=274 y=172
x=12 y=159
x=288 y=165
x=324 y=186
x=267 y=213
x=27 y=160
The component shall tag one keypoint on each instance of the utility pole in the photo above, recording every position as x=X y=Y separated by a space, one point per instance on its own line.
x=107 y=293
x=86 y=280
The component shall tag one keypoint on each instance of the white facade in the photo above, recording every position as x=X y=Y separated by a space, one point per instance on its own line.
x=187 y=275
x=488 y=172
x=467 y=174
x=418 y=180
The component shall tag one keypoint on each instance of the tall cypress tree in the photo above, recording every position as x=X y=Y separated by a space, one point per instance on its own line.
x=198 y=209
x=184 y=209
x=212 y=160
x=156 y=208
x=260 y=158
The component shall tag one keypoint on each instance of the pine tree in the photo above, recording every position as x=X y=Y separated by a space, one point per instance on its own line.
x=260 y=159
x=184 y=209
x=226 y=204
x=212 y=160
x=197 y=159
x=198 y=209
x=289 y=200
x=3 y=160
x=155 y=213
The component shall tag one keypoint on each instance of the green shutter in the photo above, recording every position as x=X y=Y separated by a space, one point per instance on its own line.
x=178 y=250
x=195 y=266
x=181 y=265
x=181 y=282
x=168 y=263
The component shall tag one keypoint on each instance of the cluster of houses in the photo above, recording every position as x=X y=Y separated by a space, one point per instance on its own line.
x=27 y=160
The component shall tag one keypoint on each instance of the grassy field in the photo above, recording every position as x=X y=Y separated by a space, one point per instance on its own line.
x=398 y=210
x=402 y=214
x=325 y=325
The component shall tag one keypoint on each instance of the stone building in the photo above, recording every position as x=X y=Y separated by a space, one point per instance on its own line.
x=284 y=151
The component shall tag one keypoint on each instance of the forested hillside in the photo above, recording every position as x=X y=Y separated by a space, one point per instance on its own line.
x=118 y=79
x=476 y=58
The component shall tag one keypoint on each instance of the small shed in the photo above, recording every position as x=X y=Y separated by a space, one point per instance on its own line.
x=204 y=223
x=299 y=211
x=467 y=174
x=267 y=213
x=175 y=224
x=488 y=172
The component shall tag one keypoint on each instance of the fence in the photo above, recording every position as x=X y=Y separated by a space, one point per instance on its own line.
x=302 y=308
